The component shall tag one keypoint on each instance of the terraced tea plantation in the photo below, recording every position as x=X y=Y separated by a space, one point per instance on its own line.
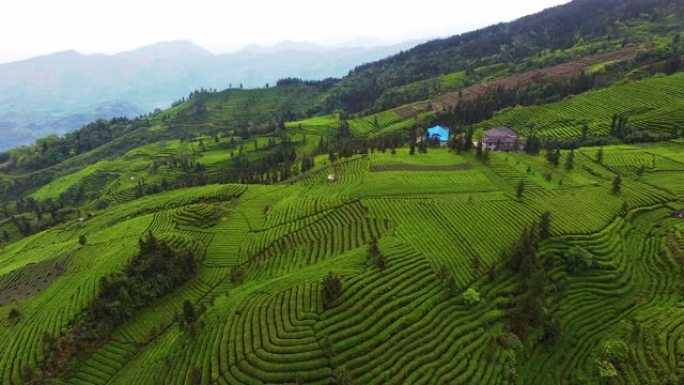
x=652 y=105
x=443 y=224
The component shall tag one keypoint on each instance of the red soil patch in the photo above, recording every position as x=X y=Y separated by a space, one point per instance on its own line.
x=561 y=71
x=412 y=110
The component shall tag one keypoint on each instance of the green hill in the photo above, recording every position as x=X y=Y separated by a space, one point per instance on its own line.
x=270 y=236
x=653 y=107
x=557 y=34
x=407 y=320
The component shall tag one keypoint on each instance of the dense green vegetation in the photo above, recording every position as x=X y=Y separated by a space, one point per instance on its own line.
x=257 y=237
x=577 y=29
x=157 y=270
x=444 y=291
x=652 y=108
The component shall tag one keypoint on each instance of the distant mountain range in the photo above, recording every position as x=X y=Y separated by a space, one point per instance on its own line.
x=57 y=93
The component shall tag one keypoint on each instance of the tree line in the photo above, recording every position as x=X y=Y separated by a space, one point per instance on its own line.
x=51 y=150
x=516 y=42
x=154 y=272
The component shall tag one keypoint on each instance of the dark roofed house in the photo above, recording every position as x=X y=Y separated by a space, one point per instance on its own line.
x=501 y=139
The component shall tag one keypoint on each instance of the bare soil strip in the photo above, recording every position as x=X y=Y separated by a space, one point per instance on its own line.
x=421 y=168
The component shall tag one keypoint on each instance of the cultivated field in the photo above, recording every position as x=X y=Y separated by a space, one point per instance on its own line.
x=431 y=213
x=653 y=105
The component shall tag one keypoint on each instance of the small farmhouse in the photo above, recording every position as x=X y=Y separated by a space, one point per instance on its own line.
x=500 y=139
x=438 y=134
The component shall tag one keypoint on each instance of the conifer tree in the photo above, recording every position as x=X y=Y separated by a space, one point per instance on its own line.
x=570 y=161
x=189 y=315
x=520 y=189
x=332 y=289
x=545 y=225
x=479 y=150
x=599 y=155
x=617 y=184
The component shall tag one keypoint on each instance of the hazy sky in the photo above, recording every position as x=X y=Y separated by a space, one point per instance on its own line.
x=34 y=27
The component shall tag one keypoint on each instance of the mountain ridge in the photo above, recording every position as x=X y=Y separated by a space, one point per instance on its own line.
x=68 y=83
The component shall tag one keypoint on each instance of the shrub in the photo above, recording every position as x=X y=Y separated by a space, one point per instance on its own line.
x=328 y=349
x=380 y=261
x=491 y=274
x=508 y=340
x=475 y=264
x=577 y=260
x=27 y=375
x=375 y=256
x=341 y=376
x=552 y=331
x=471 y=297
x=14 y=315
x=606 y=369
x=196 y=375
x=237 y=275
x=624 y=209
x=443 y=272
x=520 y=190
x=617 y=184
x=332 y=289
x=545 y=225
x=614 y=351
x=189 y=314
x=451 y=287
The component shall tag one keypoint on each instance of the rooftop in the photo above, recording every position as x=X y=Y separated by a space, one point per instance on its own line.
x=501 y=132
x=438 y=132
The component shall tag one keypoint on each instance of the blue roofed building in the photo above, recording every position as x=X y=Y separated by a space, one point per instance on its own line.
x=438 y=134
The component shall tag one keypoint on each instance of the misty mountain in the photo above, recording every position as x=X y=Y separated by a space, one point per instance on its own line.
x=57 y=93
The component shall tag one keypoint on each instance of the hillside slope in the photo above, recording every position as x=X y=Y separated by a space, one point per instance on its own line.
x=58 y=93
x=407 y=321
x=591 y=26
x=250 y=237
x=653 y=107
